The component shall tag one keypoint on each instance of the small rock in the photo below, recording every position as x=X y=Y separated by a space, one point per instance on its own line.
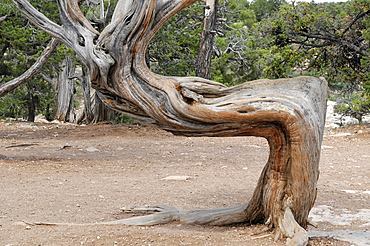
x=177 y=178
x=55 y=122
x=327 y=147
x=92 y=149
x=342 y=134
x=41 y=119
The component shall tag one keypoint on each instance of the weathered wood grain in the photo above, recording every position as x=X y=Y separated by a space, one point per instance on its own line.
x=289 y=113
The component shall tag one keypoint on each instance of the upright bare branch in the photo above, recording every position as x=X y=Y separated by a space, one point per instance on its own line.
x=79 y=16
x=203 y=68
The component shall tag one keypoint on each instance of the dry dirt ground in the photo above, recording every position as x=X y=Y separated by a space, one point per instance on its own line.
x=85 y=174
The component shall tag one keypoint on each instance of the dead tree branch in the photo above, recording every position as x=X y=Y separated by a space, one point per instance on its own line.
x=35 y=68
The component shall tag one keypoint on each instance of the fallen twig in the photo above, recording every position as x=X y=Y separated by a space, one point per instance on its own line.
x=5 y=157
x=65 y=146
x=21 y=145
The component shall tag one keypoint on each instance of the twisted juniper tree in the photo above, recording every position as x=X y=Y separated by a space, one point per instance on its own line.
x=289 y=113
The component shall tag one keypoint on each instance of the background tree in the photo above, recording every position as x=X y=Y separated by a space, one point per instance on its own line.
x=237 y=52
x=20 y=46
x=206 y=45
x=332 y=40
x=174 y=49
x=265 y=8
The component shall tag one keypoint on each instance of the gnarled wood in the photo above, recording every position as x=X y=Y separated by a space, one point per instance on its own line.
x=289 y=113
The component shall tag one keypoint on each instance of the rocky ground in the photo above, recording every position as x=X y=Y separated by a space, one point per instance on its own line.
x=85 y=174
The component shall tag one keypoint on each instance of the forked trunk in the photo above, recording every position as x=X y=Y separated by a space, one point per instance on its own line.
x=289 y=113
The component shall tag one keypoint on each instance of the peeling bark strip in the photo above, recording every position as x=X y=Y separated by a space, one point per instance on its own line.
x=289 y=113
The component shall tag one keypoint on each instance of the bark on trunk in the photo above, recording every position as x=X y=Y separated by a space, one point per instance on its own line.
x=101 y=111
x=32 y=101
x=88 y=113
x=65 y=110
x=207 y=39
x=289 y=113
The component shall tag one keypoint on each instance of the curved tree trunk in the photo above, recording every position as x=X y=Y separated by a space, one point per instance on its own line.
x=289 y=113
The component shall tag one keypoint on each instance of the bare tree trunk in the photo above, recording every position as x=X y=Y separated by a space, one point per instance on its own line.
x=289 y=113
x=94 y=109
x=203 y=68
x=101 y=111
x=32 y=102
x=65 y=110
x=88 y=114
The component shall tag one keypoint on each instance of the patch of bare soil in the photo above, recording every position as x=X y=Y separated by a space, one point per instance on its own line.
x=85 y=174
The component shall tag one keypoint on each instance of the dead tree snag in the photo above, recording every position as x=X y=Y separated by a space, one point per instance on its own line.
x=289 y=113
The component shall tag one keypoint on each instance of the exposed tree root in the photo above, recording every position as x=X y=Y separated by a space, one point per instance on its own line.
x=162 y=214
x=289 y=228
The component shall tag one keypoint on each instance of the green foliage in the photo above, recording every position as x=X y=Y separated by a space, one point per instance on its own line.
x=327 y=39
x=236 y=11
x=233 y=63
x=20 y=46
x=12 y=106
x=247 y=17
x=356 y=105
x=16 y=104
x=321 y=29
x=301 y=39
x=174 y=49
x=120 y=118
x=265 y=8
